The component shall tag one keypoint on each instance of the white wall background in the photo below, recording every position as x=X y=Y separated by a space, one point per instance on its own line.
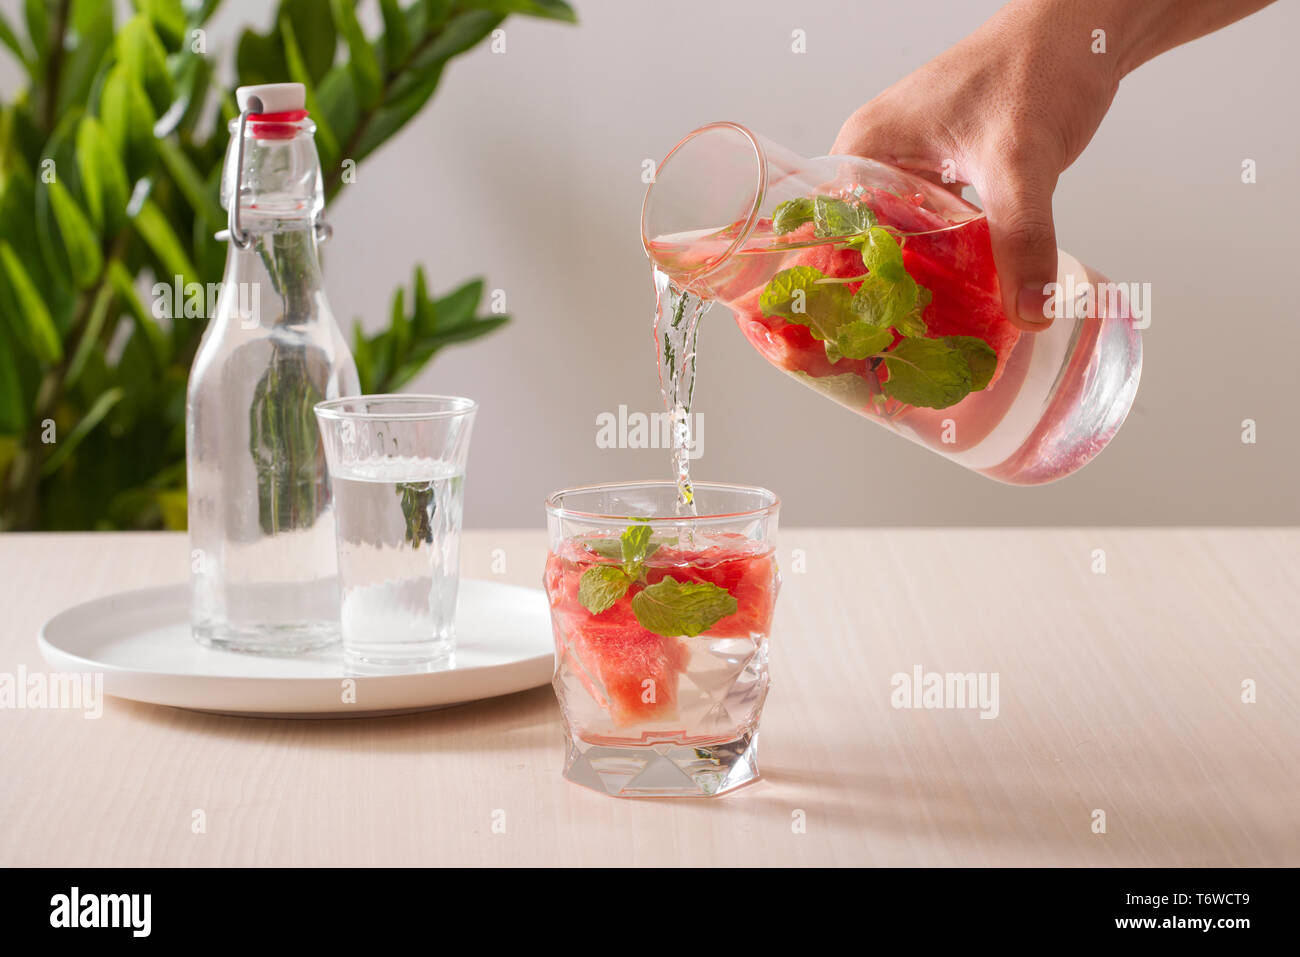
x=526 y=168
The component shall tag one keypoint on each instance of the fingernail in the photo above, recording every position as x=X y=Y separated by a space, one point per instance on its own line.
x=1032 y=303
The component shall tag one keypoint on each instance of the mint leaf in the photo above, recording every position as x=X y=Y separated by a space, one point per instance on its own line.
x=791 y=214
x=889 y=296
x=780 y=295
x=886 y=302
x=600 y=587
x=927 y=373
x=979 y=355
x=672 y=608
x=795 y=295
x=847 y=388
x=604 y=547
x=612 y=548
x=635 y=542
x=913 y=325
x=838 y=217
x=857 y=340
x=882 y=255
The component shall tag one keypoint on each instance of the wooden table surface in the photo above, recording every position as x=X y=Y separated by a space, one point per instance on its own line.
x=1120 y=692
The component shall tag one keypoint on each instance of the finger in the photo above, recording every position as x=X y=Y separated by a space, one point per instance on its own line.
x=1017 y=198
x=876 y=132
x=945 y=179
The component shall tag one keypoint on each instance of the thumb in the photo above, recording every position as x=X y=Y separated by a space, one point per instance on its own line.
x=1018 y=203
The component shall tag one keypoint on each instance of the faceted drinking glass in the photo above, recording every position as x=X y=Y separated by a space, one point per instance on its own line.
x=728 y=210
x=397 y=463
x=661 y=623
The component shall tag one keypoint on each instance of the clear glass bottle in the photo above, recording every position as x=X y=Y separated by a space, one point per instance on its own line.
x=263 y=561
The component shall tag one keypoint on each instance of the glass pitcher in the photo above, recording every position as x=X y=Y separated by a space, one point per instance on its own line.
x=877 y=288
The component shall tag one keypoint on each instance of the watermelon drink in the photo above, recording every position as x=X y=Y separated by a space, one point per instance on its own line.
x=661 y=624
x=877 y=289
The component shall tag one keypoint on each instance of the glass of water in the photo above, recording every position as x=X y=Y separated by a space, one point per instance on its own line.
x=397 y=465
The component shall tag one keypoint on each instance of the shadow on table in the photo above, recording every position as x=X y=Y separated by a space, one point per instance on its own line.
x=965 y=818
x=493 y=724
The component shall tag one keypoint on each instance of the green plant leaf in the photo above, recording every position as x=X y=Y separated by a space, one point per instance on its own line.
x=601 y=586
x=128 y=118
x=671 y=608
x=882 y=254
x=18 y=227
x=79 y=239
x=464 y=333
x=885 y=302
x=38 y=330
x=838 y=217
x=779 y=296
x=191 y=98
x=634 y=546
x=326 y=142
x=397 y=34
x=90 y=335
x=857 y=340
x=94 y=415
x=979 y=355
x=546 y=9
x=796 y=295
x=193 y=78
x=260 y=58
x=10 y=40
x=399 y=327
x=142 y=53
x=151 y=224
x=364 y=66
x=87 y=44
x=13 y=400
x=363 y=356
x=124 y=287
x=38 y=27
x=316 y=34
x=396 y=356
x=456 y=309
x=412 y=89
x=395 y=113
x=927 y=373
x=459 y=34
x=792 y=214
x=57 y=162
x=202 y=200
x=167 y=17
x=425 y=319
x=338 y=107
x=913 y=323
x=23 y=138
x=103 y=177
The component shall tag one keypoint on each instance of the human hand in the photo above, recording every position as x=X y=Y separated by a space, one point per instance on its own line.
x=1006 y=110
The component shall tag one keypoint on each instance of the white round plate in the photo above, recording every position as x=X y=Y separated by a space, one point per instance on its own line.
x=141 y=642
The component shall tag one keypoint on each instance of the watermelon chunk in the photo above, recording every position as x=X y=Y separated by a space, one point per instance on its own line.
x=613 y=655
x=955 y=264
x=789 y=345
x=750 y=579
x=634 y=671
x=961 y=309
x=632 y=674
x=965 y=250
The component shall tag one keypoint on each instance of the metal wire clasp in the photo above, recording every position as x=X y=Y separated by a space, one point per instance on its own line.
x=233 y=231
